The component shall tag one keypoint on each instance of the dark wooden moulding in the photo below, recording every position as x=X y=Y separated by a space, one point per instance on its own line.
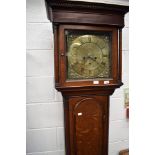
x=86 y=106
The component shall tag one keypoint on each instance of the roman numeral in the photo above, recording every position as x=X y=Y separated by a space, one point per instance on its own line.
x=89 y=39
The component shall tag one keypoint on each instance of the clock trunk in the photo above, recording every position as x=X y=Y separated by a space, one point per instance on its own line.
x=86 y=122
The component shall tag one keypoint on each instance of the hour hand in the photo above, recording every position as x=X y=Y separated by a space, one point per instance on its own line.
x=89 y=57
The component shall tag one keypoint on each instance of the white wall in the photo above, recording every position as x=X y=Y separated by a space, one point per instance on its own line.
x=45 y=134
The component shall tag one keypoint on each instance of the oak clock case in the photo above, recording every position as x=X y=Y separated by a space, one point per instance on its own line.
x=88 y=64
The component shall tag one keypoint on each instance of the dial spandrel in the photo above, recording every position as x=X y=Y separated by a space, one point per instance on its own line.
x=88 y=56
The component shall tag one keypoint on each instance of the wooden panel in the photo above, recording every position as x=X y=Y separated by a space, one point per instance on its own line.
x=88 y=125
x=87 y=18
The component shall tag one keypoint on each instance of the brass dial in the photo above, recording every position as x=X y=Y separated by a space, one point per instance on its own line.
x=88 y=57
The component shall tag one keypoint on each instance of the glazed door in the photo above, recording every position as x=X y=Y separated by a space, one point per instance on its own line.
x=87 y=53
x=88 y=125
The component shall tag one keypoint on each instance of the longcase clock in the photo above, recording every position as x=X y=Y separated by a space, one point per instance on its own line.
x=88 y=64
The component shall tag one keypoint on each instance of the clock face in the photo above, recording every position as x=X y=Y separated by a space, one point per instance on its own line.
x=88 y=56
